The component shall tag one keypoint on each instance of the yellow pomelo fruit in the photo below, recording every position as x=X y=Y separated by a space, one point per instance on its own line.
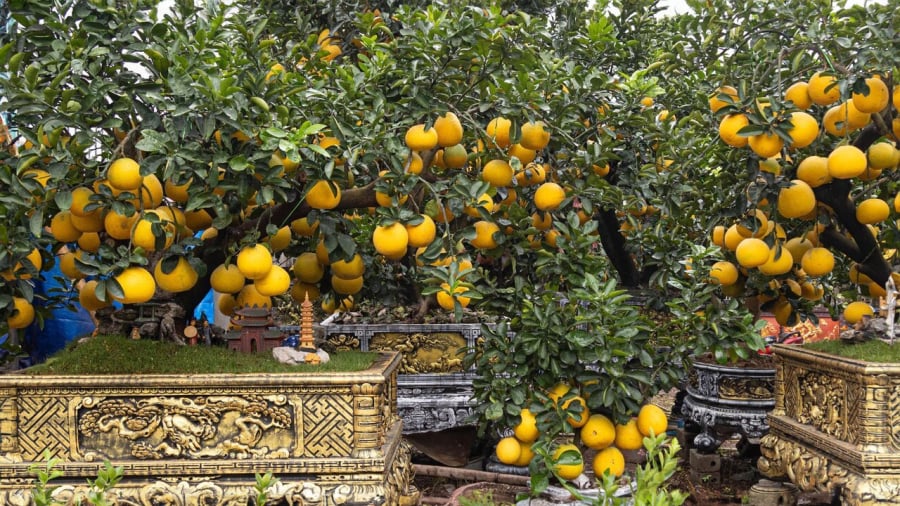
x=455 y=156
x=855 y=311
x=813 y=170
x=532 y=174
x=823 y=89
x=716 y=103
x=729 y=127
x=198 y=220
x=281 y=240
x=423 y=233
x=22 y=314
x=80 y=198
x=568 y=471
x=577 y=420
x=876 y=99
x=796 y=200
x=882 y=155
x=226 y=304
x=541 y=221
x=526 y=455
x=484 y=202
x=125 y=174
x=526 y=430
x=68 y=266
x=137 y=284
x=798 y=93
x=752 y=252
x=628 y=436
x=62 y=228
x=119 y=226
x=558 y=391
x=782 y=310
x=349 y=269
x=609 y=460
x=323 y=194
x=181 y=278
x=484 y=234
x=142 y=234
x=804 y=129
x=718 y=235
x=524 y=154
x=734 y=235
x=817 y=261
x=549 y=196
x=780 y=261
x=508 y=450
x=497 y=131
x=249 y=296
x=276 y=282
x=872 y=211
x=446 y=300
x=254 y=261
x=599 y=432
x=497 y=173
x=346 y=286
x=418 y=138
x=847 y=161
x=227 y=279
x=652 y=420
x=449 y=130
x=766 y=144
x=151 y=192
x=87 y=297
x=89 y=241
x=303 y=228
x=841 y=119
x=300 y=291
x=724 y=273
x=307 y=268
x=391 y=240
x=176 y=192
x=534 y=135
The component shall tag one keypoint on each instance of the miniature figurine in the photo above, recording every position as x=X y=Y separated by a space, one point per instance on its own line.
x=205 y=329
x=167 y=326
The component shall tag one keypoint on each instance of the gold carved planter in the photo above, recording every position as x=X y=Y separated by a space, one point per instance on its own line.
x=835 y=426
x=330 y=438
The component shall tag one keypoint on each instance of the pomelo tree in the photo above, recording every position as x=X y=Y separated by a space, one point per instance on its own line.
x=522 y=158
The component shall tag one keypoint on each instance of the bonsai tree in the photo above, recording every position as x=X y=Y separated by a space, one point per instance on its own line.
x=164 y=148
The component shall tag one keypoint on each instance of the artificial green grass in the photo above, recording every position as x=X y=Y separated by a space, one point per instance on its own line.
x=120 y=355
x=873 y=350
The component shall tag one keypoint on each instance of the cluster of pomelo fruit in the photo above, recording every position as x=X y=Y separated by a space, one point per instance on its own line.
x=793 y=263
x=595 y=432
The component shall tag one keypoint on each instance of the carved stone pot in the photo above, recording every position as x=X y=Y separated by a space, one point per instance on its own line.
x=434 y=391
x=727 y=399
x=330 y=438
x=835 y=426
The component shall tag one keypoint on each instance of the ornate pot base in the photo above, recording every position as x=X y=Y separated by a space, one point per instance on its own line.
x=724 y=400
x=834 y=427
x=329 y=438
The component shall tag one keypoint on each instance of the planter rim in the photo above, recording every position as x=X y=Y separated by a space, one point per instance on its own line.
x=376 y=373
x=793 y=351
x=730 y=368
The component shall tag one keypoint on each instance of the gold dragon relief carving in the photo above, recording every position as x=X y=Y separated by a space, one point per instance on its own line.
x=194 y=427
x=822 y=403
x=424 y=352
x=732 y=387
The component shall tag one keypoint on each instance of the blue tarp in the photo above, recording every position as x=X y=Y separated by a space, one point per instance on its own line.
x=60 y=327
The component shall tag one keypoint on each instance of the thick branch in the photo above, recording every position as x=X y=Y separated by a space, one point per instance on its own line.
x=861 y=246
x=614 y=245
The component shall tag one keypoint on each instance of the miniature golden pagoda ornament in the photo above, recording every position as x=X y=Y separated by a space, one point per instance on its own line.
x=307 y=339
